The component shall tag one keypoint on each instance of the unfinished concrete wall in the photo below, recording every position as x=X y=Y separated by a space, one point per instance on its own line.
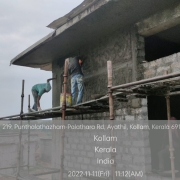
x=125 y=49
x=116 y=48
x=169 y=64
x=78 y=153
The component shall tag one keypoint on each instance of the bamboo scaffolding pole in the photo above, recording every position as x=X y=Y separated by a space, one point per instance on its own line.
x=111 y=116
x=20 y=133
x=171 y=148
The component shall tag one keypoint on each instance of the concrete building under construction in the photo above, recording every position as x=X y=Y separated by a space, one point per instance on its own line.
x=141 y=39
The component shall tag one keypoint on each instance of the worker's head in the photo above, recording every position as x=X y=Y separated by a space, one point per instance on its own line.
x=48 y=87
x=80 y=60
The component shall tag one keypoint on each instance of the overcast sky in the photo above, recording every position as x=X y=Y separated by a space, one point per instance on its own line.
x=22 y=23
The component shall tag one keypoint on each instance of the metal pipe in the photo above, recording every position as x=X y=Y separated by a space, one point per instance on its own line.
x=64 y=89
x=44 y=173
x=62 y=151
x=174 y=93
x=37 y=112
x=146 y=81
x=3 y=118
x=63 y=118
x=31 y=113
x=171 y=149
x=124 y=90
x=111 y=113
x=28 y=134
x=109 y=72
x=113 y=155
x=11 y=167
x=20 y=133
x=22 y=98
x=29 y=103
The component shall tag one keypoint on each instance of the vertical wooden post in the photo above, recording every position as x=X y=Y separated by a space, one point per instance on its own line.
x=20 y=133
x=171 y=149
x=63 y=118
x=111 y=114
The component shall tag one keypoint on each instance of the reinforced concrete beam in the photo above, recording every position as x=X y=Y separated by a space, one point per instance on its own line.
x=159 y=22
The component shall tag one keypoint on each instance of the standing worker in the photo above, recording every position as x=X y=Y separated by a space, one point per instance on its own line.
x=75 y=65
x=37 y=91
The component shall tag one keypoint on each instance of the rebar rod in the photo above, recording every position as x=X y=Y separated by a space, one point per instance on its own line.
x=146 y=81
x=171 y=148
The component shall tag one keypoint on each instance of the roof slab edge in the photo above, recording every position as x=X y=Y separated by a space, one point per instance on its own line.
x=58 y=31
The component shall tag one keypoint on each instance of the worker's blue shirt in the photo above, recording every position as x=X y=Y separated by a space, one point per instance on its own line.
x=42 y=88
